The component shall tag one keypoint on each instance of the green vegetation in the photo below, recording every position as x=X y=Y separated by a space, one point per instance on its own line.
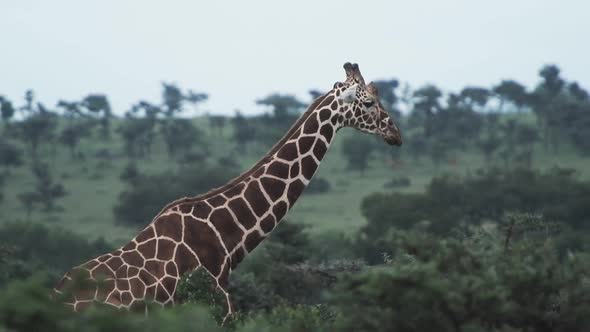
x=479 y=222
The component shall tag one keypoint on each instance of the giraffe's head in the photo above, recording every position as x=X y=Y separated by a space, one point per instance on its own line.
x=361 y=108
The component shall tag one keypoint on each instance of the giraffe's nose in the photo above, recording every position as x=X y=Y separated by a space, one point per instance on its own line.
x=393 y=136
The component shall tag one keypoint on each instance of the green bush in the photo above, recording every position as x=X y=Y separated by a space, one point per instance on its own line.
x=450 y=202
x=32 y=248
x=484 y=279
x=299 y=318
x=471 y=284
x=148 y=194
x=25 y=306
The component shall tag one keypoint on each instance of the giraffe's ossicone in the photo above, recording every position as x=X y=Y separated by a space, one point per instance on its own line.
x=216 y=230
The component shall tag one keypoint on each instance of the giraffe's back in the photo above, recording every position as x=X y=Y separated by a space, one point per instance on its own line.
x=149 y=267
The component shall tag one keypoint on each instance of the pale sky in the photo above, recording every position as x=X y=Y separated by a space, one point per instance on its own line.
x=239 y=51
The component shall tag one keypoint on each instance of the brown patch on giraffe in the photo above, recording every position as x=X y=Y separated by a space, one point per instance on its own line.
x=128 y=247
x=348 y=114
x=288 y=152
x=227 y=227
x=204 y=242
x=326 y=102
x=258 y=173
x=201 y=210
x=334 y=105
x=121 y=272
x=137 y=288
x=279 y=210
x=335 y=119
x=273 y=187
x=156 y=268
x=102 y=271
x=242 y=212
x=235 y=190
x=267 y=224
x=103 y=258
x=104 y=288
x=161 y=294
x=147 y=278
x=169 y=226
x=165 y=249
x=132 y=258
x=252 y=240
x=146 y=234
x=327 y=131
x=237 y=257
x=185 y=260
x=126 y=298
x=278 y=169
x=217 y=200
x=308 y=167
x=171 y=269
x=148 y=249
x=319 y=149
x=294 y=170
x=324 y=115
x=114 y=298
x=114 y=263
x=305 y=144
x=311 y=125
x=256 y=199
x=132 y=271
x=185 y=208
x=295 y=189
x=122 y=284
x=169 y=284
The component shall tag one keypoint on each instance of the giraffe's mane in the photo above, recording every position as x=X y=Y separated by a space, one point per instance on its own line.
x=254 y=168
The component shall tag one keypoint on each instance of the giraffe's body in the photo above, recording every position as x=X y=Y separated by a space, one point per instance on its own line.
x=216 y=230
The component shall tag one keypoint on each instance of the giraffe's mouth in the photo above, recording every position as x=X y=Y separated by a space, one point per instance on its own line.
x=393 y=138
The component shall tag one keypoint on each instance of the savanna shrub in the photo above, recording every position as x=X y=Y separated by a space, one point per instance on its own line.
x=148 y=194
x=473 y=283
x=34 y=248
x=450 y=202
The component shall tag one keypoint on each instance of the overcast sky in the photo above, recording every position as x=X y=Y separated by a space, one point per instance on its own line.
x=238 y=51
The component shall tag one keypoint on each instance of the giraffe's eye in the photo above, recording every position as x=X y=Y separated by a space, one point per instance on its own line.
x=368 y=104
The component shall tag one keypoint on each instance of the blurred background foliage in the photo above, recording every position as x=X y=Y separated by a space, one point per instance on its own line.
x=479 y=222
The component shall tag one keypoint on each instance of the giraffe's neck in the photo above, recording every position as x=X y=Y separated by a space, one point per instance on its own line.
x=242 y=213
x=259 y=202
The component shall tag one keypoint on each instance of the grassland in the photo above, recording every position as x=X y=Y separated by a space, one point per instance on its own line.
x=93 y=185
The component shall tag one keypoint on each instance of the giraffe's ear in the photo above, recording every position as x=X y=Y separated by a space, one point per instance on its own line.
x=349 y=94
x=348 y=68
x=353 y=73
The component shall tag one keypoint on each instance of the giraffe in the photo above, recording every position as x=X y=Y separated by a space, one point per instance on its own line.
x=216 y=230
